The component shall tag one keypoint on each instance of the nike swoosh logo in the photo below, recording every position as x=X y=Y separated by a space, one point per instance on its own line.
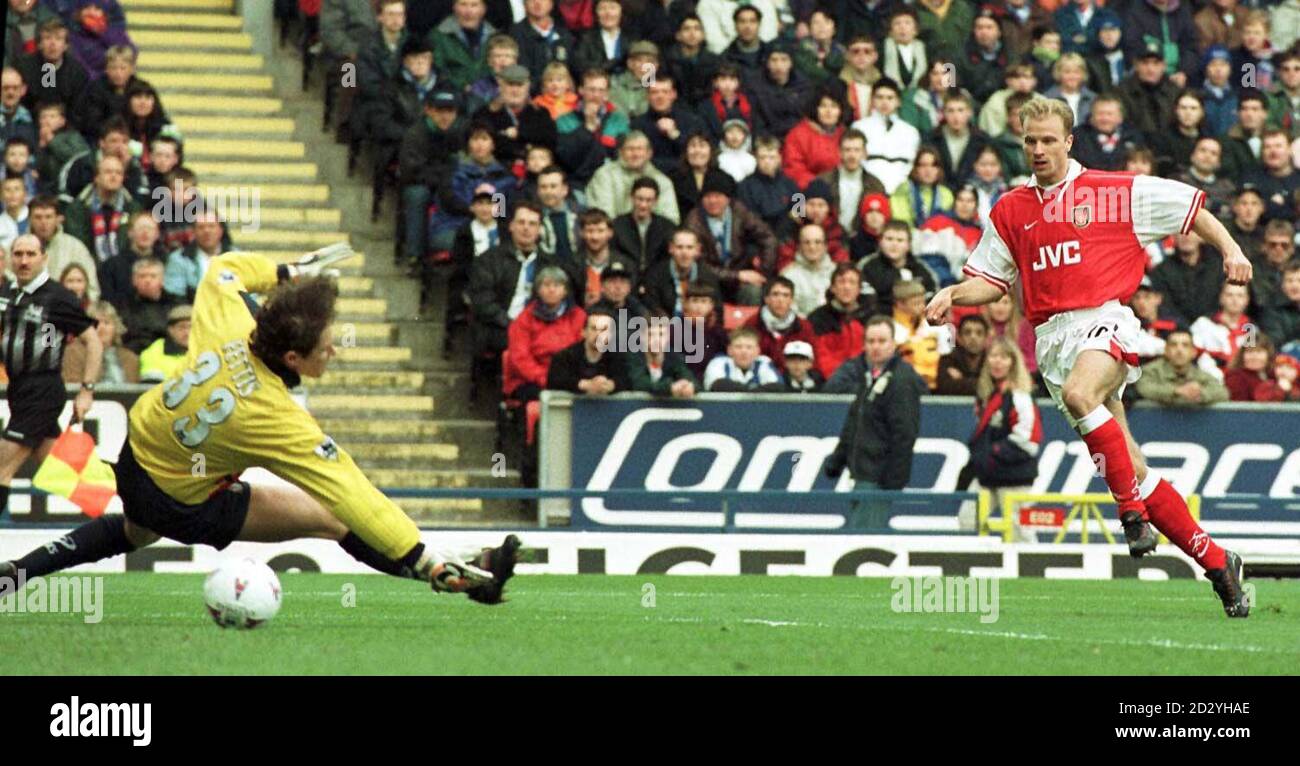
x=1029 y=226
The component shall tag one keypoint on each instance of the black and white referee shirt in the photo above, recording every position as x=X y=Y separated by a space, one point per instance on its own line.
x=34 y=322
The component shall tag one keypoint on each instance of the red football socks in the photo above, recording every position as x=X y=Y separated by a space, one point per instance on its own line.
x=1169 y=514
x=1109 y=450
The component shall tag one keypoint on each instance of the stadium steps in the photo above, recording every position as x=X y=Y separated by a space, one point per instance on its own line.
x=158 y=61
x=389 y=399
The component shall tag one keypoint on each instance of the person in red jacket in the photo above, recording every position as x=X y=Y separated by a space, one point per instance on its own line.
x=837 y=325
x=813 y=146
x=549 y=323
x=777 y=323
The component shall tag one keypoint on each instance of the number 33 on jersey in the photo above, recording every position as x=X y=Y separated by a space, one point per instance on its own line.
x=227 y=405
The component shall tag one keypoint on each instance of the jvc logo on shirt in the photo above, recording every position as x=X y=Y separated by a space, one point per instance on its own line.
x=103 y=719
x=1062 y=253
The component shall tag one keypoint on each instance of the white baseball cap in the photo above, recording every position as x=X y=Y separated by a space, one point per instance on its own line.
x=799 y=348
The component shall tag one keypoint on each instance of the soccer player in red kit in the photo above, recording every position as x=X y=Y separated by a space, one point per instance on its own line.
x=1075 y=240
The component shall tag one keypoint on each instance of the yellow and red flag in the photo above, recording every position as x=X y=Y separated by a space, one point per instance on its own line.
x=74 y=470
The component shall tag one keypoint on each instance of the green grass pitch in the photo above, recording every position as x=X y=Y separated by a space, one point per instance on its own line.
x=156 y=624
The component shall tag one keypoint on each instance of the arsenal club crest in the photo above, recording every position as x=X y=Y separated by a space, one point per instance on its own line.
x=1081 y=216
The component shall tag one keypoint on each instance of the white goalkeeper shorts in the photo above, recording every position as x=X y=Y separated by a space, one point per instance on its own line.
x=1111 y=327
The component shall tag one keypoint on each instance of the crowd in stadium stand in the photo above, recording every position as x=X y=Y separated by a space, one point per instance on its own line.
x=784 y=170
x=777 y=171
x=92 y=168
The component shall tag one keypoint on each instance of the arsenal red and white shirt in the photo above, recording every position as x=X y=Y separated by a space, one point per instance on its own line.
x=1080 y=243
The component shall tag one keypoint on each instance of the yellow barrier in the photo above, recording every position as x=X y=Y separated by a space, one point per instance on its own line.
x=1084 y=507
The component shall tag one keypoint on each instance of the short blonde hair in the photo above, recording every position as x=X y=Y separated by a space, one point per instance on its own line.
x=502 y=42
x=1257 y=17
x=1066 y=60
x=1040 y=107
x=557 y=69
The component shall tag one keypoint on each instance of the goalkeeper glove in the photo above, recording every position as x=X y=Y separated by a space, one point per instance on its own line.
x=317 y=262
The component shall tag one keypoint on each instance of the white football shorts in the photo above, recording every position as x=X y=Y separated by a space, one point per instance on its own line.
x=1111 y=327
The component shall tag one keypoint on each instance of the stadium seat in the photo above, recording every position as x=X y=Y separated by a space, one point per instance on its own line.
x=734 y=316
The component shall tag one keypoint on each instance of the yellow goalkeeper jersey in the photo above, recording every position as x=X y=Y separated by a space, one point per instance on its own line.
x=227 y=412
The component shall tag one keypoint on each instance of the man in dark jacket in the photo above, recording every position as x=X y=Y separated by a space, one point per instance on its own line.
x=381 y=56
x=68 y=80
x=736 y=243
x=982 y=63
x=669 y=281
x=384 y=113
x=642 y=234
x=746 y=51
x=667 y=123
x=779 y=94
x=515 y=121
x=501 y=279
x=690 y=60
x=541 y=40
x=1191 y=280
x=1244 y=142
x=425 y=163
x=1162 y=25
x=587 y=367
x=1281 y=321
x=894 y=263
x=958 y=140
x=959 y=370
x=1148 y=96
x=881 y=428
x=144 y=311
x=1104 y=141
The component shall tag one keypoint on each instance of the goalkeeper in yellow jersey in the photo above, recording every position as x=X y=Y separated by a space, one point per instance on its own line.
x=230 y=410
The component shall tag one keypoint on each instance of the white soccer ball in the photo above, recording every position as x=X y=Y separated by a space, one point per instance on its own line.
x=242 y=593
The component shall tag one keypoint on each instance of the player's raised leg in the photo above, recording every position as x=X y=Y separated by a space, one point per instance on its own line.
x=1093 y=381
x=1170 y=515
